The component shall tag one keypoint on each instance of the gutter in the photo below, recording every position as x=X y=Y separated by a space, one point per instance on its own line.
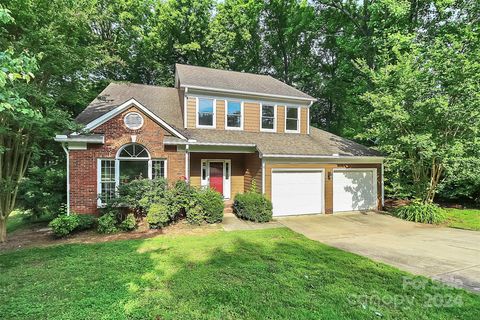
x=247 y=93
x=79 y=138
x=222 y=144
x=306 y=156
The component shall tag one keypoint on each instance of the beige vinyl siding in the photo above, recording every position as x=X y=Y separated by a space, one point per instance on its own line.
x=328 y=169
x=191 y=112
x=220 y=109
x=304 y=120
x=252 y=116
x=280 y=119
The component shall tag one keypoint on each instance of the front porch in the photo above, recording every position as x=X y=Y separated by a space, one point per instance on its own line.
x=228 y=173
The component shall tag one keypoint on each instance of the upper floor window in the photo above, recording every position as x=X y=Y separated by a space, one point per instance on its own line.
x=268 y=120
x=291 y=119
x=234 y=115
x=205 y=113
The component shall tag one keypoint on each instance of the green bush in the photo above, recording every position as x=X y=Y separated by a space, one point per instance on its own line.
x=43 y=191
x=129 y=224
x=64 y=225
x=212 y=204
x=418 y=211
x=86 y=221
x=195 y=214
x=158 y=215
x=107 y=223
x=253 y=206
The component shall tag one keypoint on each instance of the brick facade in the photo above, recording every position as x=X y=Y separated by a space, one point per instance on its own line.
x=83 y=163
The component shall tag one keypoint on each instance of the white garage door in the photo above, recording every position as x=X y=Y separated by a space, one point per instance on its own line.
x=297 y=192
x=354 y=190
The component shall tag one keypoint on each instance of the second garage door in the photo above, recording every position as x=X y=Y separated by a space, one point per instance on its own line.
x=297 y=192
x=354 y=189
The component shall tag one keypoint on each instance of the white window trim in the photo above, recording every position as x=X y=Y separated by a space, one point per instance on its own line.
x=165 y=167
x=214 y=101
x=298 y=119
x=135 y=127
x=274 y=117
x=241 y=114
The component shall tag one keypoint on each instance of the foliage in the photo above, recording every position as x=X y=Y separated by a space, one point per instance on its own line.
x=86 y=222
x=107 y=223
x=137 y=196
x=418 y=211
x=253 y=206
x=129 y=224
x=64 y=225
x=195 y=214
x=159 y=215
x=211 y=204
x=421 y=115
x=178 y=278
x=43 y=191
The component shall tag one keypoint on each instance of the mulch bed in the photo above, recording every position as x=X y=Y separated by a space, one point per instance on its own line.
x=39 y=235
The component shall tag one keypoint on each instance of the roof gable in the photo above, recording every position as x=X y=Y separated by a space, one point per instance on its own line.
x=236 y=82
x=128 y=104
x=163 y=102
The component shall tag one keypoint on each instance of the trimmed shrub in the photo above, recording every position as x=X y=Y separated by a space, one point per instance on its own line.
x=158 y=215
x=86 y=221
x=64 y=225
x=107 y=223
x=418 y=211
x=129 y=224
x=253 y=206
x=212 y=204
x=195 y=214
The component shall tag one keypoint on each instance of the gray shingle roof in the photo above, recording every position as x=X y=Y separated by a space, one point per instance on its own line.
x=238 y=81
x=163 y=102
x=318 y=143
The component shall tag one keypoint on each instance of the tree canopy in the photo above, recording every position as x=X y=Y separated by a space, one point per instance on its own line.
x=400 y=76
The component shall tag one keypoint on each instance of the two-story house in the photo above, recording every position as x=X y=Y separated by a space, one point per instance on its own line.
x=224 y=130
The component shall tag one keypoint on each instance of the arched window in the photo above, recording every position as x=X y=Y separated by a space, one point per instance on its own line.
x=132 y=161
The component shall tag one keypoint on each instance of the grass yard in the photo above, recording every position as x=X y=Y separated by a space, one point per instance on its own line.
x=463 y=219
x=265 y=274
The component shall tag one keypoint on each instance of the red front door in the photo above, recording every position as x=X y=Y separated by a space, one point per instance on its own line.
x=216 y=176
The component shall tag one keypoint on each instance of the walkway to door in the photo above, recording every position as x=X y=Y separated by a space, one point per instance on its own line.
x=445 y=254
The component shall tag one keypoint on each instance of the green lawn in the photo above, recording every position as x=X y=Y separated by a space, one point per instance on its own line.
x=265 y=274
x=463 y=218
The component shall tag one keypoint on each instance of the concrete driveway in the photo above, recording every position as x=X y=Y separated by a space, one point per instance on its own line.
x=445 y=254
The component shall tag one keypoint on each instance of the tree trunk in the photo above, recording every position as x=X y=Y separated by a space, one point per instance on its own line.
x=3 y=230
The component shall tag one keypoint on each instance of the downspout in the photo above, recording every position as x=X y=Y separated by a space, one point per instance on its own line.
x=187 y=163
x=383 y=188
x=263 y=176
x=68 y=177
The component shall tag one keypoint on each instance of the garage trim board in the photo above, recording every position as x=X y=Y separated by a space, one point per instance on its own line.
x=298 y=191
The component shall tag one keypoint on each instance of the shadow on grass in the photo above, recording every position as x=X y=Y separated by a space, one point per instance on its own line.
x=266 y=274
